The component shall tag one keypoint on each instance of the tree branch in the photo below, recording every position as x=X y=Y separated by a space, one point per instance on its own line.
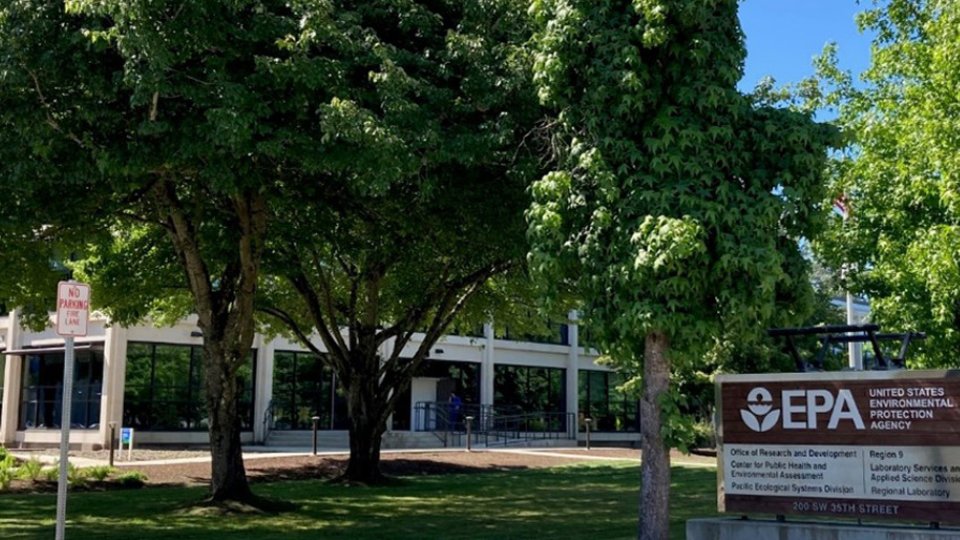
x=294 y=327
x=329 y=332
x=51 y=121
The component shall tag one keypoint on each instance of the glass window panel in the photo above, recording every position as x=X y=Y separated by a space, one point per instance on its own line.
x=529 y=389
x=138 y=385
x=611 y=409
x=302 y=387
x=164 y=389
x=284 y=389
x=42 y=390
x=171 y=373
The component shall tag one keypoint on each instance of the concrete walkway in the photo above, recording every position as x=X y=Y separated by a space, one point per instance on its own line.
x=47 y=459
x=260 y=452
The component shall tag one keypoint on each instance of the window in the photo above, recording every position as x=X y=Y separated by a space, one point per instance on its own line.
x=465 y=376
x=41 y=399
x=164 y=388
x=530 y=389
x=303 y=387
x=553 y=333
x=610 y=409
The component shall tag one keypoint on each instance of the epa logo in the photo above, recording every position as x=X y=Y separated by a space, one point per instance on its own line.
x=760 y=415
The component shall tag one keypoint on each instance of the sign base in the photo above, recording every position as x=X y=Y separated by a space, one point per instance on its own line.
x=739 y=529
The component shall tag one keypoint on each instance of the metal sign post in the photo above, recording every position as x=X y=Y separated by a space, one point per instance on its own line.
x=73 y=309
x=126 y=438
x=64 y=437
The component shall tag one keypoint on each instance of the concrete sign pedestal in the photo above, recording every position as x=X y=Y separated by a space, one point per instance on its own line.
x=742 y=529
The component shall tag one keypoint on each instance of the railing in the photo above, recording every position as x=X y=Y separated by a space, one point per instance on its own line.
x=490 y=425
x=530 y=427
x=268 y=420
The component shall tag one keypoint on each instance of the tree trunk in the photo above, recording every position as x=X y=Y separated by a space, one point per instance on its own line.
x=364 y=407
x=364 y=465
x=228 y=479
x=655 y=469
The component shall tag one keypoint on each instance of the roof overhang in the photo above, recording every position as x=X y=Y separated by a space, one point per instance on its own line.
x=53 y=349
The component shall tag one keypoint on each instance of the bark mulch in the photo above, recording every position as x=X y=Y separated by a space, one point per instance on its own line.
x=271 y=469
x=267 y=469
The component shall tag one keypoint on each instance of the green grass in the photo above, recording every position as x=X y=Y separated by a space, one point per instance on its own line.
x=583 y=501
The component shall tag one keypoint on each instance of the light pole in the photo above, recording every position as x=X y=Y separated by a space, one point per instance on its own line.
x=113 y=440
x=469 y=425
x=588 y=421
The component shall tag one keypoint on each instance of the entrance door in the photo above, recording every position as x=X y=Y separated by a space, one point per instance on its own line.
x=445 y=387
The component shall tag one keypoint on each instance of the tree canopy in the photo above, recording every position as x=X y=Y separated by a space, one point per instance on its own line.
x=428 y=153
x=901 y=174
x=147 y=139
x=677 y=202
x=372 y=157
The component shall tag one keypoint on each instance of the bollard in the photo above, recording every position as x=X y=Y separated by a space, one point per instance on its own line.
x=113 y=440
x=588 y=421
x=316 y=421
x=469 y=422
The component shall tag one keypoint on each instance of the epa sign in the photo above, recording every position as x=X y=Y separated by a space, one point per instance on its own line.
x=849 y=444
x=801 y=409
x=73 y=308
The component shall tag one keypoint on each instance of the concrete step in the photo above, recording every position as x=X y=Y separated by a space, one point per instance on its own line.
x=304 y=439
x=404 y=440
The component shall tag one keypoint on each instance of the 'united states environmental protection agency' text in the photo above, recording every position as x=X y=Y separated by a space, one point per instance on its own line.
x=845 y=445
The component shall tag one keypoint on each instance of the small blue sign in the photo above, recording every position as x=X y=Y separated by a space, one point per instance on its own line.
x=126 y=435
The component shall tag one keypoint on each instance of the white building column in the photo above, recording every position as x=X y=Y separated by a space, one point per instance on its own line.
x=486 y=366
x=12 y=381
x=573 y=368
x=114 y=382
x=263 y=393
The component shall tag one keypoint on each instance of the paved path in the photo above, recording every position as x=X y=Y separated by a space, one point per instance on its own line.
x=673 y=461
x=50 y=460
x=259 y=452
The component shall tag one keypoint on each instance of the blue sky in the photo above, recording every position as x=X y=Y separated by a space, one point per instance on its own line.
x=783 y=36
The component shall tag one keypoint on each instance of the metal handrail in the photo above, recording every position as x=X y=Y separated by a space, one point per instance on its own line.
x=533 y=426
x=497 y=424
x=268 y=421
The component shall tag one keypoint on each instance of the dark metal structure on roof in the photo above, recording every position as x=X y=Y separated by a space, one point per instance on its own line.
x=847 y=333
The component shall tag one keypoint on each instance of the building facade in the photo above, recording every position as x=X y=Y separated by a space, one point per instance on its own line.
x=150 y=378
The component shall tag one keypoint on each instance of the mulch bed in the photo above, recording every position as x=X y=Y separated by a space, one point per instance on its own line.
x=392 y=464
x=271 y=469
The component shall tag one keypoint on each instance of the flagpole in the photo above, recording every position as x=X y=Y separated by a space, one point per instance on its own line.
x=854 y=360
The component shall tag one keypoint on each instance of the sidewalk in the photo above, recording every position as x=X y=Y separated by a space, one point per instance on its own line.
x=263 y=453
x=47 y=459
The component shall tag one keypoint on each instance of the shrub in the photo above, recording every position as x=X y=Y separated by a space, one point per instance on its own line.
x=704 y=435
x=31 y=469
x=8 y=471
x=53 y=473
x=76 y=477
x=99 y=473
x=132 y=479
x=3 y=453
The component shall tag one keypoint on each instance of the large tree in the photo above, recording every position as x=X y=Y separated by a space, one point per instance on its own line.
x=429 y=154
x=677 y=202
x=150 y=138
x=900 y=174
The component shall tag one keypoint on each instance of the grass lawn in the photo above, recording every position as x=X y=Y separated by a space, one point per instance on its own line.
x=581 y=501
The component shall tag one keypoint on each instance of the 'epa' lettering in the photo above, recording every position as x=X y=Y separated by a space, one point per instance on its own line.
x=802 y=408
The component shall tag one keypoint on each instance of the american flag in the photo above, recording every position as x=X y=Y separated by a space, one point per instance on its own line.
x=842 y=205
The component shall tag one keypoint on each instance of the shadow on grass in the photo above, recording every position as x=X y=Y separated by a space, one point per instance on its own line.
x=597 y=501
x=396 y=470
